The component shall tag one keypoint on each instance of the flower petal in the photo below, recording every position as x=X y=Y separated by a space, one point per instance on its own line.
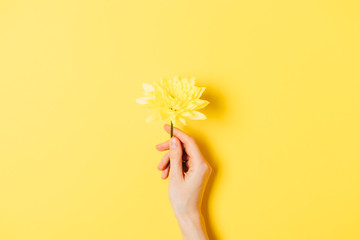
x=173 y=99
x=200 y=104
x=152 y=117
x=182 y=120
x=200 y=92
x=173 y=119
x=142 y=100
x=186 y=114
x=164 y=114
x=197 y=116
x=148 y=87
x=184 y=81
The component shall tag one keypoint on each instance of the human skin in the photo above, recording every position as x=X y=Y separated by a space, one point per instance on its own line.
x=188 y=173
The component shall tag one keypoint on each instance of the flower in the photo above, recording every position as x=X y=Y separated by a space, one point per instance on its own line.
x=173 y=99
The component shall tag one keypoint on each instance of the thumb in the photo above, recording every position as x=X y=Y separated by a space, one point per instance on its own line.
x=175 y=157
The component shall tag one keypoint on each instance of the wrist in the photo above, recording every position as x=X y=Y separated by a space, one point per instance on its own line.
x=192 y=226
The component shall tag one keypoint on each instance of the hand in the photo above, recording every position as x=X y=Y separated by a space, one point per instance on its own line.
x=188 y=173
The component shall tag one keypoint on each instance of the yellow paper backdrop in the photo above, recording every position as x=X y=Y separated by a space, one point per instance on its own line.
x=77 y=160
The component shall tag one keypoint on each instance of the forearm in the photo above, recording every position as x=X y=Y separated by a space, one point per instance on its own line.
x=192 y=226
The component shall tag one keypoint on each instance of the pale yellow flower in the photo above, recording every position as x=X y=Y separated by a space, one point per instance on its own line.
x=173 y=99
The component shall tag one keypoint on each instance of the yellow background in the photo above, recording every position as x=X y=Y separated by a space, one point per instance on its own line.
x=77 y=160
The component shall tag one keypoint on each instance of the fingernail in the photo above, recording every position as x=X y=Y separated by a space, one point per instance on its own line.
x=173 y=143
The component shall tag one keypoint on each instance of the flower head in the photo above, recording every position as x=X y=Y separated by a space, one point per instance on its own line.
x=173 y=99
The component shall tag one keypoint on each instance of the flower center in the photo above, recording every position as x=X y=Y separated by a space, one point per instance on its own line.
x=173 y=109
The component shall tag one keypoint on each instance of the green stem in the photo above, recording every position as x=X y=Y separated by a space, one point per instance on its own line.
x=171 y=131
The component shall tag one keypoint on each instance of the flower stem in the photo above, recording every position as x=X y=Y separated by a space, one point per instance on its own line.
x=171 y=131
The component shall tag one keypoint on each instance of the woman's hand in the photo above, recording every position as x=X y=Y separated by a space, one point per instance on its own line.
x=188 y=173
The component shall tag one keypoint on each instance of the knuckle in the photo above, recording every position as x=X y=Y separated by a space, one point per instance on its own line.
x=205 y=169
x=210 y=169
x=191 y=139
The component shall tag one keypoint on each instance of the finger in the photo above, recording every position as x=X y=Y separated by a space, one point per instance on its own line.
x=176 y=170
x=165 y=173
x=164 y=161
x=163 y=146
x=188 y=142
x=178 y=133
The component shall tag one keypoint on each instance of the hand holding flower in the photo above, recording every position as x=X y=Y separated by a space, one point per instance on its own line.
x=176 y=99
x=188 y=176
